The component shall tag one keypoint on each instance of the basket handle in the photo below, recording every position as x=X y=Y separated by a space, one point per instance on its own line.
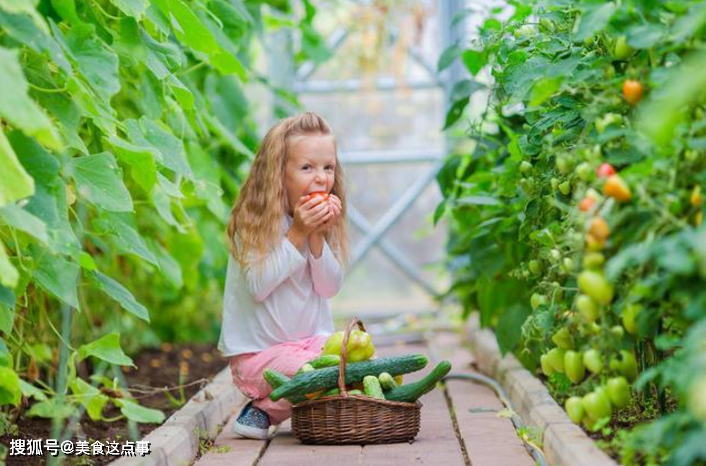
x=344 y=354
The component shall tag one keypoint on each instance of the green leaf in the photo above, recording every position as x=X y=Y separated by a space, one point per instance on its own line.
x=464 y=89
x=106 y=348
x=134 y=8
x=474 y=60
x=10 y=392
x=99 y=180
x=455 y=112
x=163 y=203
x=122 y=229
x=96 y=61
x=661 y=113
x=509 y=327
x=181 y=92
x=138 y=413
x=151 y=134
x=644 y=36
x=16 y=183
x=90 y=397
x=544 y=89
x=86 y=261
x=67 y=10
x=171 y=269
x=17 y=107
x=447 y=57
x=122 y=295
x=27 y=7
x=18 y=218
x=141 y=160
x=595 y=19
x=50 y=206
x=30 y=390
x=57 y=276
x=190 y=30
x=50 y=409
x=25 y=30
x=8 y=273
x=7 y=309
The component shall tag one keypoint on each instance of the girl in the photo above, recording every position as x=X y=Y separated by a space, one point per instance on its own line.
x=288 y=248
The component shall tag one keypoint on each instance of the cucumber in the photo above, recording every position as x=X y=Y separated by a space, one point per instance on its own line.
x=326 y=360
x=386 y=381
x=274 y=378
x=412 y=391
x=327 y=377
x=356 y=392
x=372 y=387
x=331 y=392
x=305 y=368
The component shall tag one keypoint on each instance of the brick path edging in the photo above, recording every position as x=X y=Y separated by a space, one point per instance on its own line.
x=565 y=444
x=176 y=442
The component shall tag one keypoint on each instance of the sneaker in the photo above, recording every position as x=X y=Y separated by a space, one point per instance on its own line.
x=252 y=423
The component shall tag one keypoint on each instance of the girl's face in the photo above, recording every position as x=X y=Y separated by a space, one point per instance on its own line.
x=310 y=167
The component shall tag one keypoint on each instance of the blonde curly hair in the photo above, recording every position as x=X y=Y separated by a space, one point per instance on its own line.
x=255 y=219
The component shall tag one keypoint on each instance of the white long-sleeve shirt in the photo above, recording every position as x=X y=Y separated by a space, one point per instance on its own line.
x=283 y=298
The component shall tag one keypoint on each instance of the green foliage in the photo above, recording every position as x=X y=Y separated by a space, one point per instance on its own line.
x=124 y=135
x=528 y=204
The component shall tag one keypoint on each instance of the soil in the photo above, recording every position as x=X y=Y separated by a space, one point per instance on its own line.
x=157 y=368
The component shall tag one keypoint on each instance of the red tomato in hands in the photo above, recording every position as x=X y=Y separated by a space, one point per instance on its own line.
x=322 y=196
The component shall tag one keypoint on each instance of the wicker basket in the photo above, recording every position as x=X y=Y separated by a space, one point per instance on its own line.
x=354 y=419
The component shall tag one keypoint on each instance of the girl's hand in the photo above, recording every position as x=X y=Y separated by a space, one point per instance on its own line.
x=310 y=213
x=335 y=208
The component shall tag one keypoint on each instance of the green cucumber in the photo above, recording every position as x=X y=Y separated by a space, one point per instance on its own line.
x=412 y=391
x=326 y=360
x=274 y=378
x=372 y=387
x=356 y=392
x=386 y=381
x=331 y=392
x=327 y=377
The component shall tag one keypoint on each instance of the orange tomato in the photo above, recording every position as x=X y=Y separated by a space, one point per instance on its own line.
x=599 y=229
x=632 y=91
x=587 y=203
x=617 y=188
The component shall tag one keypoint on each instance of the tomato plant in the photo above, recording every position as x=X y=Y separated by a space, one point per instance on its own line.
x=617 y=176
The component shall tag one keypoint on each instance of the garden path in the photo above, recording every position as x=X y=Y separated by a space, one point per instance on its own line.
x=461 y=425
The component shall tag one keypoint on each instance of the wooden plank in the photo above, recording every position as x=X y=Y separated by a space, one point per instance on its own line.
x=489 y=440
x=436 y=442
x=285 y=449
x=240 y=451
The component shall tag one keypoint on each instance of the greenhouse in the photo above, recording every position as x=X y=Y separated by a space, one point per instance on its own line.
x=264 y=232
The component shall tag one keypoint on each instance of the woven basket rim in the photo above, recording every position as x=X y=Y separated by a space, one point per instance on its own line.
x=325 y=399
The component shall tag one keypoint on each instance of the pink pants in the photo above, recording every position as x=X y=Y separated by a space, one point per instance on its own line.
x=286 y=358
